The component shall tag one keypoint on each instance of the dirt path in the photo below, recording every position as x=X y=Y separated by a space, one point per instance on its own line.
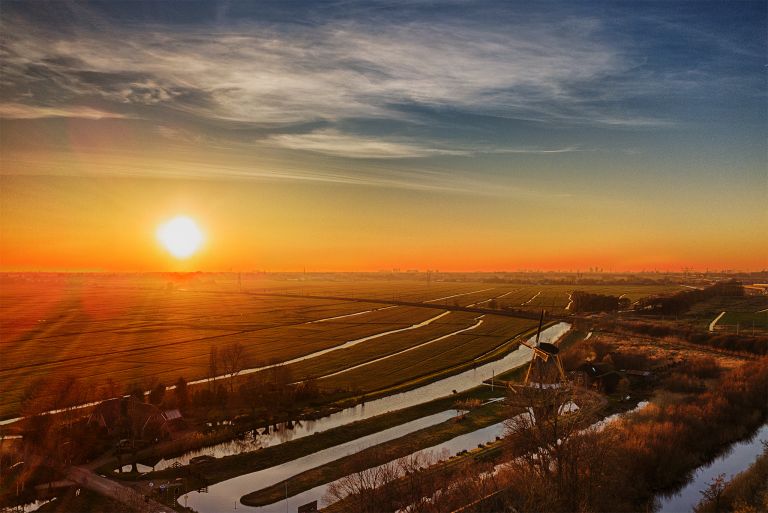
x=713 y=323
x=108 y=488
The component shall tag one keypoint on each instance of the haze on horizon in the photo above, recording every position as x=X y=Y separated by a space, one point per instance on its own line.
x=365 y=136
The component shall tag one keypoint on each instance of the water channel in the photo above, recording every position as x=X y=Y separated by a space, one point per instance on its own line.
x=441 y=388
x=220 y=494
x=737 y=458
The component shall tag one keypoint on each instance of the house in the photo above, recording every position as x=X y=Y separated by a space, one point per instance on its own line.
x=130 y=416
x=640 y=377
x=600 y=376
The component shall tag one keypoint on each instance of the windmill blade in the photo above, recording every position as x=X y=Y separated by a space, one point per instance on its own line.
x=538 y=332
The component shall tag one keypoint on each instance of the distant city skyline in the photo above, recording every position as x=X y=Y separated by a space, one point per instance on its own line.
x=482 y=136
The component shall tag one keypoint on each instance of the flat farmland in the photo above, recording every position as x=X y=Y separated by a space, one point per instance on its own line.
x=401 y=290
x=383 y=346
x=141 y=331
x=555 y=298
x=745 y=321
x=434 y=357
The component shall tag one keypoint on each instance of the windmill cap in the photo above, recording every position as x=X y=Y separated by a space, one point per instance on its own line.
x=549 y=348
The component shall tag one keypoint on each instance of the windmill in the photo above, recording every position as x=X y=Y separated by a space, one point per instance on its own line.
x=545 y=368
x=546 y=393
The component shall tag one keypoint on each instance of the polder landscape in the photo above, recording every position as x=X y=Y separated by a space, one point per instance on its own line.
x=376 y=391
x=383 y=256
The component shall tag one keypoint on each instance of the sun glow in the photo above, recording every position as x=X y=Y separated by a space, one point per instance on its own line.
x=180 y=236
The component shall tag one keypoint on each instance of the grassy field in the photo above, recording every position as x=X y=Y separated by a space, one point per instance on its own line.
x=433 y=357
x=554 y=298
x=143 y=330
x=140 y=329
x=743 y=311
x=745 y=321
x=382 y=346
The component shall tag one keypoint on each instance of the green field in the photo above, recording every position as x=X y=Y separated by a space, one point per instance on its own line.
x=554 y=298
x=743 y=312
x=745 y=321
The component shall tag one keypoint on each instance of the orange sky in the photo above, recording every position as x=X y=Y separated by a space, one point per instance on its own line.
x=109 y=224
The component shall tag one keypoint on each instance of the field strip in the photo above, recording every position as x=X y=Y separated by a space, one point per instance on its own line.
x=131 y=350
x=534 y=297
x=462 y=381
x=490 y=299
x=265 y=367
x=477 y=324
x=712 y=324
x=241 y=485
x=178 y=342
x=350 y=315
x=457 y=295
x=345 y=345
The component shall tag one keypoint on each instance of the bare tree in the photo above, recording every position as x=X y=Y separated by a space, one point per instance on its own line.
x=557 y=462
x=398 y=485
x=364 y=490
x=233 y=360
x=213 y=363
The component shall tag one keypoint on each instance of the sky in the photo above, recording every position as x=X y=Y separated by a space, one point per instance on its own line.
x=360 y=136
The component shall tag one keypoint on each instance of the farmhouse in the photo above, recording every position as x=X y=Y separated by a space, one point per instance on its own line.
x=131 y=416
x=601 y=376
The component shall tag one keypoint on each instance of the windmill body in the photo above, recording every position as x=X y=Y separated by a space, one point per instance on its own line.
x=545 y=369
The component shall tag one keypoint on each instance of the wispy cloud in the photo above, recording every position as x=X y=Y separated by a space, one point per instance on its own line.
x=280 y=76
x=22 y=111
x=332 y=142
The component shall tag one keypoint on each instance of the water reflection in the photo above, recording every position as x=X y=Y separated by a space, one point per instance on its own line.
x=737 y=458
x=458 y=382
x=212 y=501
x=221 y=494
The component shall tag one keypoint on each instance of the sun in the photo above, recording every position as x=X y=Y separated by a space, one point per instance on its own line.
x=180 y=236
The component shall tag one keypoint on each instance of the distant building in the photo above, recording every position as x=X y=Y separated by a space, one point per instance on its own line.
x=756 y=289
